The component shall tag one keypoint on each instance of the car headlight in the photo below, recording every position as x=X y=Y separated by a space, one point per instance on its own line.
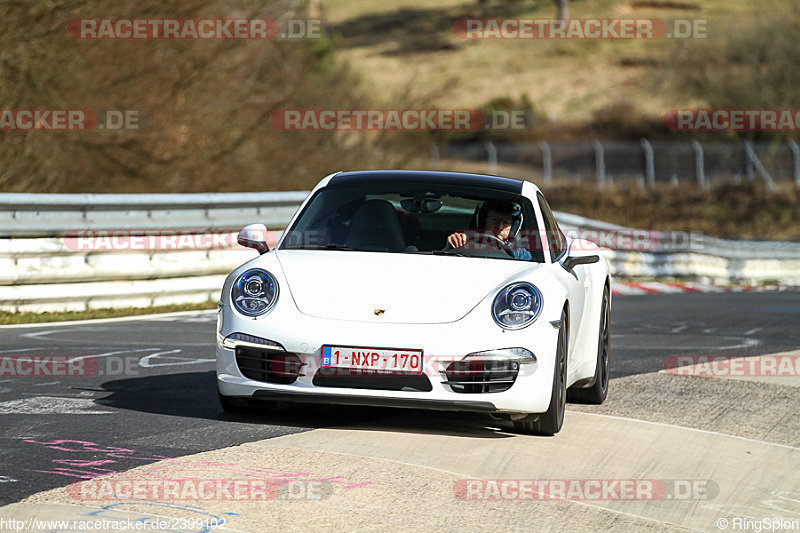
x=517 y=306
x=254 y=292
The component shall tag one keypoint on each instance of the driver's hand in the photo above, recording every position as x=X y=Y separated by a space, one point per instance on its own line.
x=457 y=240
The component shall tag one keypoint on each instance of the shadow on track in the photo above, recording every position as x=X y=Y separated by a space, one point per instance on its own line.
x=193 y=395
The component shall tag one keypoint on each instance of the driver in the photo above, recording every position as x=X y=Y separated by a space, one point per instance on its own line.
x=497 y=218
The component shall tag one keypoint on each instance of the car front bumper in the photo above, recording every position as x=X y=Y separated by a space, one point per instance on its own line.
x=441 y=344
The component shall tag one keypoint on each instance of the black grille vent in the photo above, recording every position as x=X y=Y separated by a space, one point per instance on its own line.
x=477 y=376
x=268 y=365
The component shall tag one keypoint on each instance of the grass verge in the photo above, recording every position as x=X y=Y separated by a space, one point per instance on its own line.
x=7 y=317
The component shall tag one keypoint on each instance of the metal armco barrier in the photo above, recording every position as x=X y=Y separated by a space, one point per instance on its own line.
x=44 y=267
x=51 y=215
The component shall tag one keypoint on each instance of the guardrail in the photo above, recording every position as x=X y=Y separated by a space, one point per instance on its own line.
x=683 y=242
x=51 y=215
x=43 y=265
x=637 y=253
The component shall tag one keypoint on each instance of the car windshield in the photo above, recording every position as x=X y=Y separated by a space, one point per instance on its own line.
x=417 y=219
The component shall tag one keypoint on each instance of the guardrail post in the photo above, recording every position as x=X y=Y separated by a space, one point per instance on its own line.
x=649 y=163
x=600 y=163
x=547 y=162
x=435 y=157
x=796 y=153
x=754 y=162
x=699 y=164
x=748 y=165
x=491 y=149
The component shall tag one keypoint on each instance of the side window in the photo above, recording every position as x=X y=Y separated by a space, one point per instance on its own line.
x=554 y=238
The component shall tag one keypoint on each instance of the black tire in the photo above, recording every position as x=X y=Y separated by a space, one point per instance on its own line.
x=597 y=392
x=234 y=405
x=550 y=422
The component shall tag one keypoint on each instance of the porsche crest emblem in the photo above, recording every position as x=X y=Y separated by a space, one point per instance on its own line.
x=379 y=312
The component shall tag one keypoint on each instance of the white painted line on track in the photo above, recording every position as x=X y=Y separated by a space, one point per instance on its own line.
x=145 y=361
x=707 y=432
x=108 y=354
x=47 y=332
x=748 y=342
x=51 y=405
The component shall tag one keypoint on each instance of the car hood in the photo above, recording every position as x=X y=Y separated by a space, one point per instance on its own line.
x=408 y=288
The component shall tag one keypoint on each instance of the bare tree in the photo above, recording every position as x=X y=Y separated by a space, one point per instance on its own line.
x=208 y=104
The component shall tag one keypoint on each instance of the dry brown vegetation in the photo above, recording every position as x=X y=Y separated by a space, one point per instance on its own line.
x=744 y=211
x=208 y=104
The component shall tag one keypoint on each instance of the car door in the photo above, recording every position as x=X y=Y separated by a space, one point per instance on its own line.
x=575 y=282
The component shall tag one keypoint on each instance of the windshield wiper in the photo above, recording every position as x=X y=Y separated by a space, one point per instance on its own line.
x=451 y=251
x=322 y=247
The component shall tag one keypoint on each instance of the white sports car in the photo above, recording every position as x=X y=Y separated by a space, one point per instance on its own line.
x=419 y=289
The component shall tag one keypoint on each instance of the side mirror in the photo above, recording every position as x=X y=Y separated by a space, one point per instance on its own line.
x=254 y=236
x=571 y=262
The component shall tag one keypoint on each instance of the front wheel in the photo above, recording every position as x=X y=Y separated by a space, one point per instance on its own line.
x=550 y=422
x=596 y=394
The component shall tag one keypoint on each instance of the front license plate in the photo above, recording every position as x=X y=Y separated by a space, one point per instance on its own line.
x=389 y=360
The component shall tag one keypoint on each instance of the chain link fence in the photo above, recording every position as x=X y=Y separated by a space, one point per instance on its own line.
x=645 y=163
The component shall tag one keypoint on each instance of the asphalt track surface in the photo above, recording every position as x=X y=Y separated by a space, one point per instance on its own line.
x=153 y=395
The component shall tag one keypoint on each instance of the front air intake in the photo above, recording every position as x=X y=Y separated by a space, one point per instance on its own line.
x=477 y=376
x=269 y=366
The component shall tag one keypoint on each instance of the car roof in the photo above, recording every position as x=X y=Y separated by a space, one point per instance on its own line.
x=429 y=176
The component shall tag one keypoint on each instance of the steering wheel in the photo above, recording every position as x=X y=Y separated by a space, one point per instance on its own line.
x=501 y=244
